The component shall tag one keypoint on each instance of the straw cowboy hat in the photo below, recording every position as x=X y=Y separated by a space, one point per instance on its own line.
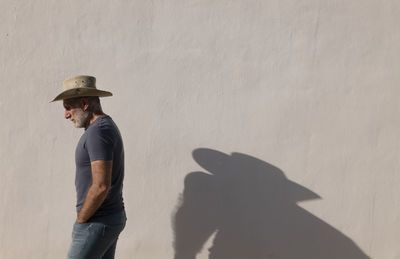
x=80 y=86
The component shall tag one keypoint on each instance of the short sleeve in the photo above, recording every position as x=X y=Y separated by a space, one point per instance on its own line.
x=99 y=144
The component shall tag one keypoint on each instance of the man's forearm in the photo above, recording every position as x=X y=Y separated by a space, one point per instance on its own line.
x=94 y=198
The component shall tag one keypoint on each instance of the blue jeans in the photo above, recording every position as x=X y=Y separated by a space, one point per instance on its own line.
x=97 y=238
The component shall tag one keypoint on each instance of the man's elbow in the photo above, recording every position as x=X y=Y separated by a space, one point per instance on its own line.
x=103 y=189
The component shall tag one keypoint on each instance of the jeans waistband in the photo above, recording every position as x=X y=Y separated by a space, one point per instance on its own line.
x=112 y=219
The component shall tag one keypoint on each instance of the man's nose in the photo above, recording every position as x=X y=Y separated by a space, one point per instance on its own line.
x=67 y=114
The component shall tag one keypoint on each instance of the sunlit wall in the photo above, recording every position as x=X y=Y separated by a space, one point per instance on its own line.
x=252 y=129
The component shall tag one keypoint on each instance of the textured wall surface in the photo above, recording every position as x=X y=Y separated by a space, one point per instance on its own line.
x=252 y=128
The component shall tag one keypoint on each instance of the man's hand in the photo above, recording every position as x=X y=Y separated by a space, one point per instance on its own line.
x=80 y=221
x=101 y=183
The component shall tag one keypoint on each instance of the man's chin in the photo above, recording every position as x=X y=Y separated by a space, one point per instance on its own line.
x=76 y=125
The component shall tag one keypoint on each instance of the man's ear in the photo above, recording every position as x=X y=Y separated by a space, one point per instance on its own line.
x=85 y=103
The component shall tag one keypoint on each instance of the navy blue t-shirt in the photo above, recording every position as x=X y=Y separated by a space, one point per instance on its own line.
x=100 y=141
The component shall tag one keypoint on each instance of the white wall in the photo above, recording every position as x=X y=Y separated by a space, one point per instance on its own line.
x=306 y=90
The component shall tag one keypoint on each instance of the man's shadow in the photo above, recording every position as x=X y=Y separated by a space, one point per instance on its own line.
x=251 y=208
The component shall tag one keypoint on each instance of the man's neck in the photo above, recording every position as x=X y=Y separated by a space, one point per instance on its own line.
x=93 y=117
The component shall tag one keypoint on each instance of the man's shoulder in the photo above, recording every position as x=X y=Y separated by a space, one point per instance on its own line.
x=103 y=127
x=100 y=124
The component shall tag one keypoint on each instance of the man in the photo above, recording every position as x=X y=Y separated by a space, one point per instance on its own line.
x=99 y=159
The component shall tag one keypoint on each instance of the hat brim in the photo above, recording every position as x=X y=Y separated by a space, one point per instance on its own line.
x=81 y=92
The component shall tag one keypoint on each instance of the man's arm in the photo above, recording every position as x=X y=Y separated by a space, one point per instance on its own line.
x=101 y=183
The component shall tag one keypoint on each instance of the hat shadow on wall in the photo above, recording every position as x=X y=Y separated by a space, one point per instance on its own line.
x=250 y=209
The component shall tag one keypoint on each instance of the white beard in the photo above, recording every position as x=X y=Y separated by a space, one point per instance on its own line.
x=80 y=119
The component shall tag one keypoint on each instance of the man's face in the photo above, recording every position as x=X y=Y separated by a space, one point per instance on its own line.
x=74 y=112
